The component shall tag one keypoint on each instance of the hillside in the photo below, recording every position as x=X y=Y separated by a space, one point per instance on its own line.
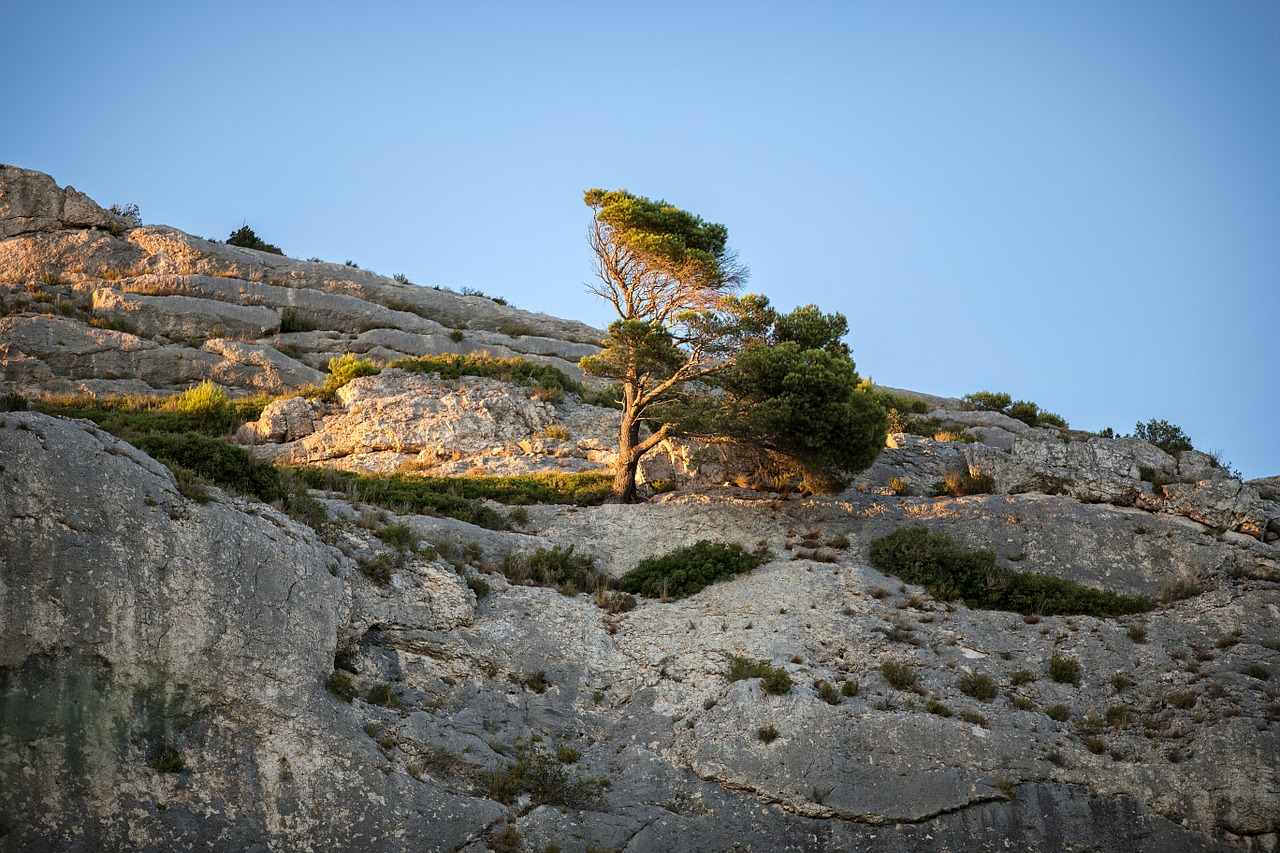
x=390 y=646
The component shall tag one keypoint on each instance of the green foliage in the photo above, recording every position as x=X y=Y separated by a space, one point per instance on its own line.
x=849 y=688
x=1064 y=669
x=1060 y=713
x=661 y=236
x=959 y=484
x=383 y=694
x=341 y=685
x=13 y=402
x=544 y=777
x=687 y=570
x=899 y=674
x=204 y=402
x=344 y=368
x=794 y=398
x=1258 y=671
x=768 y=734
x=933 y=706
x=949 y=572
x=828 y=693
x=773 y=679
x=167 y=760
x=517 y=371
x=378 y=569
x=563 y=568
x=292 y=320
x=979 y=686
x=1168 y=437
x=1023 y=410
x=478 y=585
x=399 y=536
x=244 y=236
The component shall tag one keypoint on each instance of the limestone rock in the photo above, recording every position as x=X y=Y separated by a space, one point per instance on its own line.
x=183 y=317
x=32 y=201
x=284 y=420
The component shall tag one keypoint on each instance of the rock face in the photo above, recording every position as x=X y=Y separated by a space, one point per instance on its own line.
x=164 y=662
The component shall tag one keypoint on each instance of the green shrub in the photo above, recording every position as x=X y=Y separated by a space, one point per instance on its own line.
x=959 y=484
x=383 y=694
x=1168 y=437
x=341 y=685
x=244 y=237
x=828 y=693
x=344 y=368
x=537 y=682
x=546 y=780
x=562 y=568
x=989 y=401
x=1059 y=712
x=687 y=570
x=768 y=734
x=933 y=706
x=949 y=572
x=1258 y=671
x=13 y=402
x=399 y=536
x=377 y=569
x=293 y=321
x=979 y=686
x=849 y=688
x=478 y=585
x=206 y=401
x=1021 y=677
x=1117 y=715
x=1022 y=410
x=774 y=679
x=1064 y=669
x=899 y=674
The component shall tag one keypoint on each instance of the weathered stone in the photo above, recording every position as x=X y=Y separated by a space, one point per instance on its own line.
x=32 y=201
x=282 y=420
x=183 y=317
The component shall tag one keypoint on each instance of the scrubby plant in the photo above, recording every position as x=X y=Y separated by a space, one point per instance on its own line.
x=1168 y=437
x=849 y=689
x=245 y=238
x=340 y=684
x=399 y=536
x=383 y=694
x=899 y=674
x=204 y=402
x=478 y=585
x=949 y=572
x=773 y=679
x=768 y=734
x=1022 y=410
x=166 y=759
x=377 y=569
x=546 y=780
x=13 y=402
x=990 y=401
x=1064 y=669
x=828 y=693
x=128 y=212
x=687 y=570
x=1258 y=671
x=1059 y=713
x=979 y=686
x=960 y=484
x=1021 y=677
x=346 y=367
x=934 y=706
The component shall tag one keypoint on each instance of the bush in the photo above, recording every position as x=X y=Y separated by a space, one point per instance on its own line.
x=899 y=674
x=768 y=734
x=979 y=686
x=478 y=585
x=774 y=679
x=687 y=570
x=950 y=572
x=961 y=483
x=1023 y=410
x=204 y=402
x=542 y=378
x=341 y=685
x=1059 y=713
x=1064 y=669
x=13 y=402
x=545 y=778
x=933 y=706
x=1168 y=437
x=378 y=569
x=245 y=238
x=828 y=693
x=849 y=688
x=1258 y=671
x=383 y=694
x=989 y=401
x=344 y=368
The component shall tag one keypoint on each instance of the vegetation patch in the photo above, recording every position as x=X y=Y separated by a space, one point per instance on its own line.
x=950 y=572
x=547 y=780
x=1024 y=410
x=979 y=686
x=899 y=674
x=517 y=371
x=687 y=570
x=774 y=679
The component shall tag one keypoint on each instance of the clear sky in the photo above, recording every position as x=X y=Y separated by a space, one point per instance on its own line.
x=1077 y=203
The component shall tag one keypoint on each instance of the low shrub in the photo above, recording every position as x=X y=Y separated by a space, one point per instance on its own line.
x=1022 y=410
x=774 y=679
x=899 y=674
x=13 y=402
x=849 y=688
x=346 y=367
x=1258 y=671
x=478 y=585
x=949 y=572
x=1021 y=677
x=378 y=569
x=245 y=238
x=687 y=570
x=546 y=779
x=959 y=484
x=341 y=685
x=768 y=734
x=933 y=706
x=383 y=694
x=979 y=686
x=399 y=536
x=1064 y=669
x=828 y=693
x=1059 y=713
x=1168 y=437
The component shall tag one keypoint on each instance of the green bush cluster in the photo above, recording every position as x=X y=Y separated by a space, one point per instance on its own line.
x=546 y=779
x=344 y=368
x=517 y=371
x=1168 y=437
x=565 y=569
x=244 y=237
x=773 y=679
x=1023 y=410
x=899 y=674
x=687 y=570
x=979 y=686
x=959 y=484
x=1064 y=669
x=950 y=572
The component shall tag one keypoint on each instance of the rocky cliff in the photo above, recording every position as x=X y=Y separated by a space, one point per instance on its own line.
x=194 y=669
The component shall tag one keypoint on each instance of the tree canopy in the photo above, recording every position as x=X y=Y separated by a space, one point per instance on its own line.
x=787 y=387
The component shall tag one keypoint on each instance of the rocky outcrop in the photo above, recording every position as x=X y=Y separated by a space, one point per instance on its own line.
x=32 y=201
x=184 y=317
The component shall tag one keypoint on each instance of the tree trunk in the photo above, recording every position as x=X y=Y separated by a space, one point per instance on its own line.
x=629 y=453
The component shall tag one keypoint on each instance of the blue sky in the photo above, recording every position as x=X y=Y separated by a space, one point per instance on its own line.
x=1076 y=203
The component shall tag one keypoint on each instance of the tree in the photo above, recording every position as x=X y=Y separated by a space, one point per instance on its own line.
x=784 y=385
x=665 y=272
x=792 y=398
x=1168 y=437
x=244 y=237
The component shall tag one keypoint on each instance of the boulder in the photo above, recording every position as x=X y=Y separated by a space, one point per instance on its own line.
x=184 y=317
x=32 y=201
